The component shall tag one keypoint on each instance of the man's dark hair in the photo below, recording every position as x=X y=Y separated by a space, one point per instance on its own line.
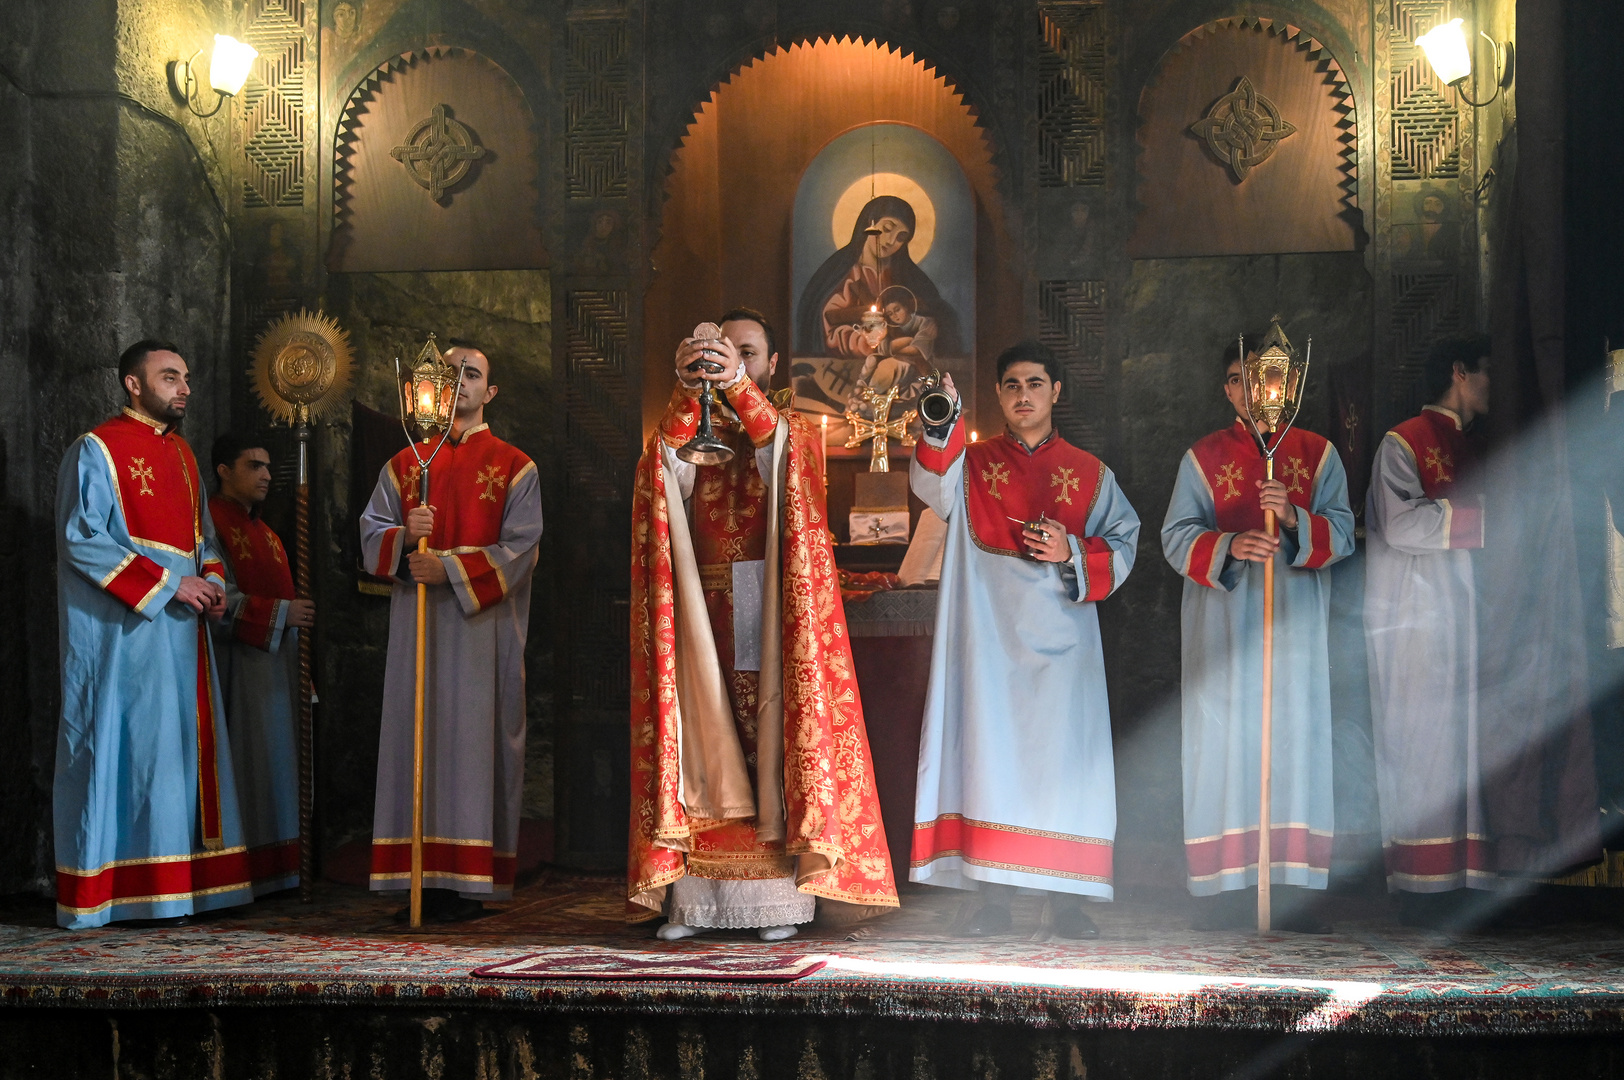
x=1232 y=351
x=228 y=448
x=756 y=317
x=1029 y=352
x=469 y=343
x=133 y=358
x=1467 y=350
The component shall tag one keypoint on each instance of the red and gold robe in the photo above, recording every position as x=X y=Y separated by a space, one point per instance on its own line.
x=825 y=830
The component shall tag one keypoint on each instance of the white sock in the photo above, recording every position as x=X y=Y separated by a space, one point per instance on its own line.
x=777 y=933
x=677 y=931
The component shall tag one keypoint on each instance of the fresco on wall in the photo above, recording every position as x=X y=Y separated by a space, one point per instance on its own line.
x=884 y=272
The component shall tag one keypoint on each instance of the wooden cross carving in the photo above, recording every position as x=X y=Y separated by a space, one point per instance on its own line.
x=881 y=428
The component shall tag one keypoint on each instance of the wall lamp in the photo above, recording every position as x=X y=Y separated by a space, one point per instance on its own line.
x=1449 y=52
x=228 y=70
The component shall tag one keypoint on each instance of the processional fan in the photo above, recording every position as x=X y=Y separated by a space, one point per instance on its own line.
x=1273 y=380
x=428 y=399
x=301 y=368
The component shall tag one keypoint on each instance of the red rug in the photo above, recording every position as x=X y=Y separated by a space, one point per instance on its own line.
x=698 y=967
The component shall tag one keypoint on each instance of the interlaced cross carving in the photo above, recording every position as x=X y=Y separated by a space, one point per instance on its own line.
x=1228 y=476
x=1294 y=474
x=438 y=152
x=881 y=428
x=1242 y=129
x=994 y=474
x=1440 y=463
x=1067 y=482
x=140 y=470
x=492 y=480
x=243 y=546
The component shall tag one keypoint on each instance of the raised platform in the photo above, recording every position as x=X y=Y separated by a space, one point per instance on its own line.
x=894 y=978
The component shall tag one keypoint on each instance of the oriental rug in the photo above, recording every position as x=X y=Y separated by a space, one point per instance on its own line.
x=621 y=964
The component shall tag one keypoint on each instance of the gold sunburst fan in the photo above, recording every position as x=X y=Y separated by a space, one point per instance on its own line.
x=301 y=366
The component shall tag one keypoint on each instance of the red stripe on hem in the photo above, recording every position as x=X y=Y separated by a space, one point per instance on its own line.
x=461 y=860
x=208 y=786
x=178 y=879
x=273 y=860
x=951 y=835
x=938 y=461
x=1235 y=852
x=1439 y=860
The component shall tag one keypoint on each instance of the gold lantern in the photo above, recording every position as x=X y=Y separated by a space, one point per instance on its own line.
x=1273 y=378
x=428 y=389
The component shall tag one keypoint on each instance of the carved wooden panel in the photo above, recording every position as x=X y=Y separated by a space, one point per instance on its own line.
x=435 y=169
x=1425 y=307
x=1071 y=92
x=596 y=81
x=1426 y=122
x=1250 y=146
x=273 y=101
x=598 y=417
x=1071 y=322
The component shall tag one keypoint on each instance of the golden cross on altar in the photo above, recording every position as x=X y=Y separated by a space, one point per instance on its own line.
x=881 y=428
x=1440 y=463
x=1227 y=477
x=1294 y=474
x=488 y=476
x=140 y=470
x=1067 y=482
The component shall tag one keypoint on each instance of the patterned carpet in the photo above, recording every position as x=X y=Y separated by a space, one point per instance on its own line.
x=1147 y=969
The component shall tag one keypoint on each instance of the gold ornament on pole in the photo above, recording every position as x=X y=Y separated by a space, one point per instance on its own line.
x=879 y=427
x=301 y=368
x=428 y=399
x=1273 y=378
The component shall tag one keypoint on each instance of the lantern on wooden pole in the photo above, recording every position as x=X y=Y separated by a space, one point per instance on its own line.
x=301 y=369
x=428 y=399
x=1273 y=380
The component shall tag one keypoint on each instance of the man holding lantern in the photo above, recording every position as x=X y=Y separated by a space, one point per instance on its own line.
x=1215 y=536
x=483 y=523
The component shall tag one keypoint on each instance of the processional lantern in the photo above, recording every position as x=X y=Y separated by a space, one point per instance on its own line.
x=1273 y=380
x=428 y=399
x=705 y=448
x=301 y=369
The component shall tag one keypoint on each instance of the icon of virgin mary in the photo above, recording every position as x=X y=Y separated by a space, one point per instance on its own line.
x=829 y=320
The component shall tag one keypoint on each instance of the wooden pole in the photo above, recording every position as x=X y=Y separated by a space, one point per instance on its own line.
x=417 y=721
x=1265 y=772
x=307 y=754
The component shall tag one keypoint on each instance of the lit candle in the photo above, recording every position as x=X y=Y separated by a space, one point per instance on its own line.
x=973 y=436
x=823 y=458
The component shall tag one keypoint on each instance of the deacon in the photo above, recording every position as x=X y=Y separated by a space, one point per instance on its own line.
x=1214 y=537
x=1423 y=521
x=144 y=801
x=752 y=791
x=483 y=523
x=1016 y=784
x=258 y=650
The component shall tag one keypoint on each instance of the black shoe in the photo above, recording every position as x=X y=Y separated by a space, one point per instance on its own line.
x=155 y=924
x=991 y=920
x=1299 y=922
x=1073 y=922
x=457 y=909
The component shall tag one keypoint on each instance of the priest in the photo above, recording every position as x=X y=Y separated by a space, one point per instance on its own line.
x=1016 y=781
x=752 y=789
x=483 y=524
x=258 y=648
x=1424 y=520
x=144 y=802
x=1213 y=535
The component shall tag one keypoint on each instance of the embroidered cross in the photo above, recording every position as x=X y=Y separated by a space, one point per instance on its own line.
x=240 y=541
x=1066 y=480
x=490 y=479
x=1227 y=477
x=1440 y=463
x=995 y=474
x=140 y=470
x=409 y=489
x=276 y=550
x=732 y=513
x=1294 y=474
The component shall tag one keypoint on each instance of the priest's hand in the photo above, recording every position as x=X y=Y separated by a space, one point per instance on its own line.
x=1056 y=549
x=1254 y=545
x=427 y=569
x=419 y=523
x=949 y=389
x=718 y=351
x=201 y=595
x=302 y=613
x=1272 y=496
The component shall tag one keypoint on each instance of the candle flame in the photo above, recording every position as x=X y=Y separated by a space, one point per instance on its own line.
x=974 y=435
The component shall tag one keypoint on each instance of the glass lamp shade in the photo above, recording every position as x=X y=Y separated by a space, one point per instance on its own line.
x=1447 y=51
x=428 y=395
x=1274 y=387
x=228 y=67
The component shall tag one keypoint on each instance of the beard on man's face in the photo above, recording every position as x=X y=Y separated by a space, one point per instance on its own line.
x=172 y=410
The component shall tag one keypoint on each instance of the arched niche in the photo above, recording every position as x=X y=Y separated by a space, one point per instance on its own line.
x=728 y=218
x=1248 y=145
x=435 y=168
